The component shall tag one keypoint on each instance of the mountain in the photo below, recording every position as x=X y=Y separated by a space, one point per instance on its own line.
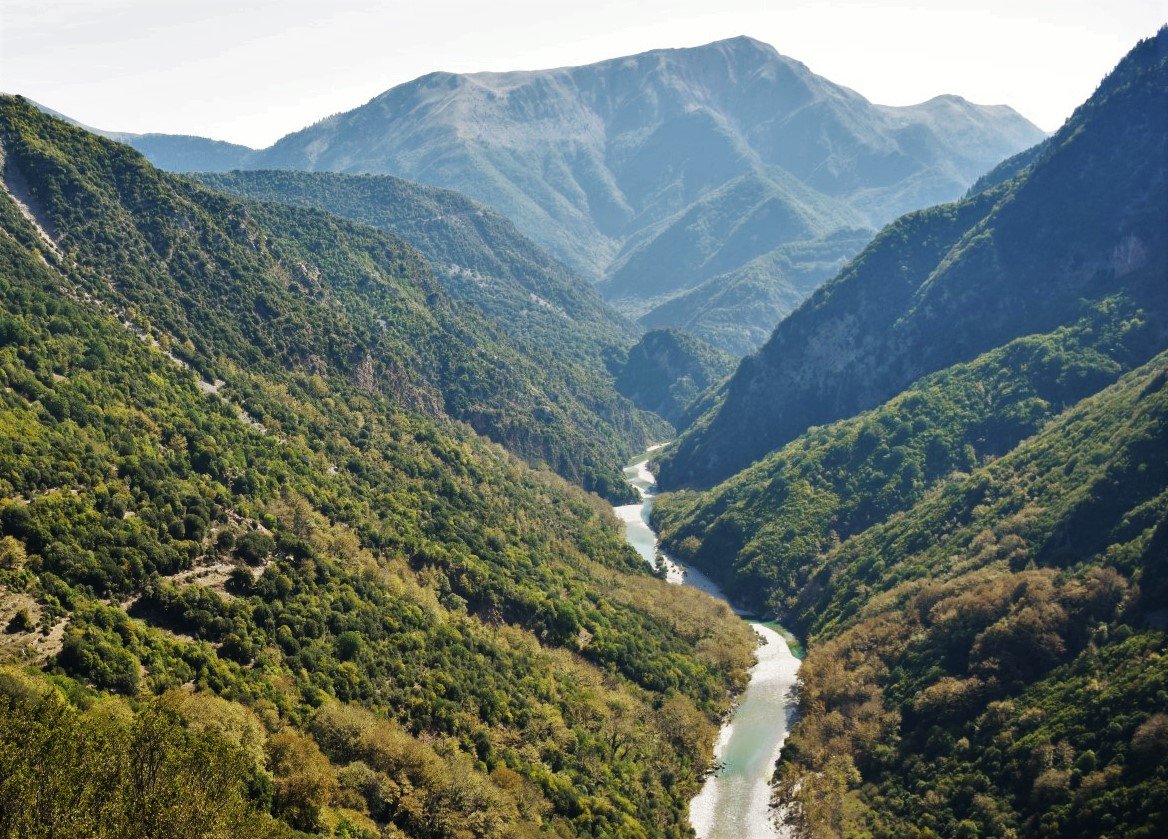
x=667 y=370
x=476 y=254
x=991 y=662
x=173 y=152
x=738 y=310
x=979 y=562
x=1083 y=222
x=245 y=545
x=185 y=153
x=655 y=173
x=327 y=293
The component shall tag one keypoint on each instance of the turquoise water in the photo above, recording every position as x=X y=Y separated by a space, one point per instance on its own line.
x=735 y=802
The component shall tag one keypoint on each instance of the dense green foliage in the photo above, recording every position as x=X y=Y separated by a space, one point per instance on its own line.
x=668 y=369
x=761 y=533
x=983 y=665
x=212 y=492
x=1087 y=219
x=980 y=562
x=270 y=288
x=101 y=770
x=476 y=254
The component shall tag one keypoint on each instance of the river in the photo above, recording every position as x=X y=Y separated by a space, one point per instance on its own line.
x=735 y=802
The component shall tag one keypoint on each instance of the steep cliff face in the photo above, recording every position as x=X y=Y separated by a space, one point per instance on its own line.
x=1085 y=221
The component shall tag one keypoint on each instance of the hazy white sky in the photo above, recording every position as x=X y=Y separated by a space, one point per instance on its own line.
x=253 y=70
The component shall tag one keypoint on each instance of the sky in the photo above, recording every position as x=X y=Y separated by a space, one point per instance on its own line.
x=250 y=71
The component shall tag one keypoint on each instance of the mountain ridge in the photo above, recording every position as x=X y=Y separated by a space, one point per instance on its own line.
x=899 y=310
x=606 y=164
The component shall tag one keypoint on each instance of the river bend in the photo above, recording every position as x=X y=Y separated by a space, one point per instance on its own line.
x=734 y=803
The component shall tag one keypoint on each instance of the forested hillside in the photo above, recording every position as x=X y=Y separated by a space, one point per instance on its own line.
x=668 y=370
x=763 y=532
x=738 y=310
x=991 y=663
x=1086 y=220
x=271 y=287
x=978 y=562
x=475 y=253
x=243 y=544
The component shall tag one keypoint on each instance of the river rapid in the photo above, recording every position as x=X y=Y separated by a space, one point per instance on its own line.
x=735 y=801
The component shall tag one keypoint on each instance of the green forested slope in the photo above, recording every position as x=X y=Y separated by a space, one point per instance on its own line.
x=476 y=254
x=668 y=369
x=990 y=663
x=272 y=287
x=1087 y=219
x=762 y=532
x=370 y=620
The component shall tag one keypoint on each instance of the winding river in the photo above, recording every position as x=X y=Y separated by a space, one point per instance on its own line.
x=734 y=803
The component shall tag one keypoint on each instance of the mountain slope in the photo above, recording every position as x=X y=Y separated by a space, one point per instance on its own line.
x=668 y=369
x=1086 y=219
x=476 y=254
x=762 y=533
x=172 y=152
x=738 y=310
x=319 y=292
x=729 y=150
x=185 y=153
x=359 y=618
x=979 y=563
x=988 y=663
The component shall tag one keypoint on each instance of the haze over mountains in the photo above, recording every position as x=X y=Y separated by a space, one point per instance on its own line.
x=709 y=188
x=943 y=285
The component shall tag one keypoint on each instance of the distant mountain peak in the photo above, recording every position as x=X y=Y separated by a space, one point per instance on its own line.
x=665 y=174
x=941 y=286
